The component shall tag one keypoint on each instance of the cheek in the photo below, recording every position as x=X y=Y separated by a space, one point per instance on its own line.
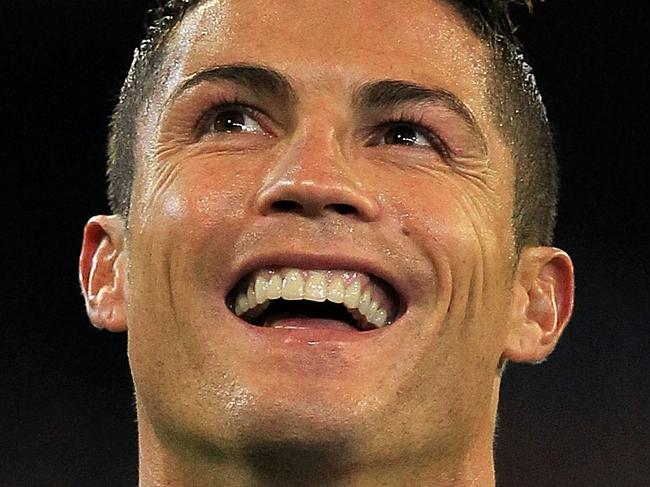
x=464 y=234
x=194 y=196
x=454 y=218
x=181 y=243
x=448 y=240
x=443 y=230
x=182 y=236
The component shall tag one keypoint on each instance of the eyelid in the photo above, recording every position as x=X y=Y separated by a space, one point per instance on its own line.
x=417 y=123
x=231 y=103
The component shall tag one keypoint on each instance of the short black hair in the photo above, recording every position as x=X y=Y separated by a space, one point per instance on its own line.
x=518 y=107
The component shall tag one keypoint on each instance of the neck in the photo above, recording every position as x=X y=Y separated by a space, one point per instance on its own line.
x=162 y=464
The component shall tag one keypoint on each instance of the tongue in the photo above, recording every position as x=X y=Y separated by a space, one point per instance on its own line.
x=303 y=322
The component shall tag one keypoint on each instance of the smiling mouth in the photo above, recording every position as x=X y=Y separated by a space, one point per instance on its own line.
x=287 y=297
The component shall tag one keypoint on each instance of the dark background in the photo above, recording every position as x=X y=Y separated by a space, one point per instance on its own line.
x=67 y=418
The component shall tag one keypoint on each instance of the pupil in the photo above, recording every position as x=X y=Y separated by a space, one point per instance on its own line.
x=230 y=121
x=402 y=134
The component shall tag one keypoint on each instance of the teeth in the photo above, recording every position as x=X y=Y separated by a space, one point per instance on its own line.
x=316 y=288
x=352 y=295
x=274 y=288
x=241 y=304
x=379 y=318
x=293 y=287
x=257 y=311
x=364 y=303
x=260 y=289
x=374 y=305
x=336 y=290
x=250 y=294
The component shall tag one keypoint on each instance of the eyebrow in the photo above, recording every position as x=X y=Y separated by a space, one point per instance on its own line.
x=391 y=94
x=381 y=94
x=254 y=78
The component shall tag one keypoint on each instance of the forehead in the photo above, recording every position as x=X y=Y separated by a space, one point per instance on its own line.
x=336 y=42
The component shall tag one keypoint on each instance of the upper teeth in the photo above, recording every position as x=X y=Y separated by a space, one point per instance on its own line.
x=355 y=290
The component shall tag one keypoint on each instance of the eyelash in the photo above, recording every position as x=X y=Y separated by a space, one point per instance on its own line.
x=202 y=126
x=417 y=123
x=227 y=103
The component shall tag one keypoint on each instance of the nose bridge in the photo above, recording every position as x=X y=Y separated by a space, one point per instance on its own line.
x=314 y=176
x=315 y=153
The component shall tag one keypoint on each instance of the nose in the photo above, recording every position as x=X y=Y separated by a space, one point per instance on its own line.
x=313 y=178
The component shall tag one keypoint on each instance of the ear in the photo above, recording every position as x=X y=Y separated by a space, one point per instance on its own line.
x=542 y=304
x=102 y=272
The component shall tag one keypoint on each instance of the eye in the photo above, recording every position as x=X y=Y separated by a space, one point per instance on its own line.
x=405 y=134
x=233 y=119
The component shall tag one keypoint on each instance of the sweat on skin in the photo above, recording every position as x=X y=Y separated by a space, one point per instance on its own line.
x=274 y=145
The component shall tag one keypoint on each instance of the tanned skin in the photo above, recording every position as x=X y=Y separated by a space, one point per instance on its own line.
x=315 y=177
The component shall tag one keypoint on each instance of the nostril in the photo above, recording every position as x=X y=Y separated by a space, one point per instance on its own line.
x=286 y=206
x=342 y=208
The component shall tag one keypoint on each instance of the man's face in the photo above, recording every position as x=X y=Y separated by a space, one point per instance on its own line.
x=331 y=166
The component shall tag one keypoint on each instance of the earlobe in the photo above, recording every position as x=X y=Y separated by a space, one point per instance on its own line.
x=102 y=272
x=542 y=304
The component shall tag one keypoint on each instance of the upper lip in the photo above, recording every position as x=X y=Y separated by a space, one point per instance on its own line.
x=322 y=261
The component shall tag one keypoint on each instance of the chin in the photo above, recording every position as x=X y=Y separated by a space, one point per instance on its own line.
x=300 y=406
